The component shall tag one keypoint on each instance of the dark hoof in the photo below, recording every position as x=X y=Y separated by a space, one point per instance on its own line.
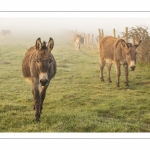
x=37 y=119
x=126 y=84
x=102 y=80
x=109 y=81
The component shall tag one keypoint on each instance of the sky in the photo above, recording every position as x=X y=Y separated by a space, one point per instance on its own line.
x=27 y=25
x=35 y=16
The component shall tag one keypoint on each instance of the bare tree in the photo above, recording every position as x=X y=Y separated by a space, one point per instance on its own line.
x=140 y=33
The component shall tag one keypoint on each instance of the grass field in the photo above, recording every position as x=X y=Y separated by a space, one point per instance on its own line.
x=76 y=100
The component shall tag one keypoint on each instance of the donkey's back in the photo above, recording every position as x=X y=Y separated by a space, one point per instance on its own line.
x=107 y=48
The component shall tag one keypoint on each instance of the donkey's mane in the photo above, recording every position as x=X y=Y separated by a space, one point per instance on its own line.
x=43 y=45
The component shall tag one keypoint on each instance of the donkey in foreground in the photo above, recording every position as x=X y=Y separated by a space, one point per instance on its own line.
x=39 y=67
x=117 y=51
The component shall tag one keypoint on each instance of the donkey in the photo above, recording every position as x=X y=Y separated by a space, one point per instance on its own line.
x=117 y=51
x=4 y=32
x=39 y=67
x=78 y=40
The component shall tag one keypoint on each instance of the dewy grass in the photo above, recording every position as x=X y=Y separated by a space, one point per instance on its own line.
x=76 y=100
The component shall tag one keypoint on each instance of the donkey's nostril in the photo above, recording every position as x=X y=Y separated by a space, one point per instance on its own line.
x=132 y=68
x=43 y=82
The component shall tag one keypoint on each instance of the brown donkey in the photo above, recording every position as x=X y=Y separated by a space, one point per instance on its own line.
x=39 y=67
x=78 y=40
x=117 y=51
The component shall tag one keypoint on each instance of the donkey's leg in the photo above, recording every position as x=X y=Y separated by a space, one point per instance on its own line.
x=126 y=74
x=79 y=47
x=43 y=94
x=118 y=73
x=37 y=100
x=102 y=64
x=75 y=46
x=108 y=72
x=33 y=98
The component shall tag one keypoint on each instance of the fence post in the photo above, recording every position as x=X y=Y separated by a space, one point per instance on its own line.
x=114 y=32
x=133 y=40
x=88 y=40
x=99 y=37
x=84 y=40
x=126 y=35
x=92 y=41
x=102 y=33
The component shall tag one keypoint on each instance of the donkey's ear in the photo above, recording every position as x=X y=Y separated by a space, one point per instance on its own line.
x=38 y=44
x=136 y=45
x=124 y=44
x=50 y=44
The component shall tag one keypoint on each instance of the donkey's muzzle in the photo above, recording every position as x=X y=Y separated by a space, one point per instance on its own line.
x=43 y=82
x=132 y=68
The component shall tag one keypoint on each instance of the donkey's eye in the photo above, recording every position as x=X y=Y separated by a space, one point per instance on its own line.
x=38 y=60
x=49 y=61
x=127 y=53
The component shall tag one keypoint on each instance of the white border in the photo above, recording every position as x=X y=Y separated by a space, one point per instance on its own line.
x=75 y=135
x=74 y=14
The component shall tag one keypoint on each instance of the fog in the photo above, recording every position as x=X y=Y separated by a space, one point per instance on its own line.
x=52 y=26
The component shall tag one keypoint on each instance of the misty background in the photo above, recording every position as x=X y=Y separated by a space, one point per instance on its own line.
x=52 y=26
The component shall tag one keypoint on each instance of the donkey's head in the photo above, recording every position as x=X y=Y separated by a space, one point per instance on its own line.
x=44 y=60
x=131 y=55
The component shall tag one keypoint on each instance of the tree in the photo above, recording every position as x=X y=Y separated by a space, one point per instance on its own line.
x=140 y=33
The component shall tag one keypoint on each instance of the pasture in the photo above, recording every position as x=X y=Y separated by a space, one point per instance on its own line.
x=76 y=99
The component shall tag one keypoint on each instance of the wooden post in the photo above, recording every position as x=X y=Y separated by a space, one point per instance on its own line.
x=102 y=33
x=88 y=41
x=92 y=41
x=72 y=35
x=84 y=40
x=126 y=37
x=114 y=32
x=69 y=33
x=133 y=40
x=99 y=37
x=144 y=35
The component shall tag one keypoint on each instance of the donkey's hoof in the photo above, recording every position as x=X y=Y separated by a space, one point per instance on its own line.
x=37 y=119
x=126 y=84
x=109 y=81
x=102 y=80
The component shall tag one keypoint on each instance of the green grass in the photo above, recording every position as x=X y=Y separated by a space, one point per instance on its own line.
x=76 y=100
